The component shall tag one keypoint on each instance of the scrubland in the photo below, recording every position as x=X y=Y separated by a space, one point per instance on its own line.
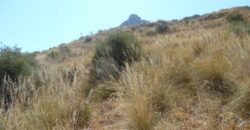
x=193 y=75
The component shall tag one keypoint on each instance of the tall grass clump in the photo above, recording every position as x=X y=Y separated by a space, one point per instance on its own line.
x=141 y=115
x=148 y=93
x=213 y=73
x=140 y=110
x=54 y=105
x=53 y=112
x=112 y=55
x=54 y=109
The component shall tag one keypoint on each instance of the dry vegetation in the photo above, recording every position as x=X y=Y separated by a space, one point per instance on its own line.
x=195 y=76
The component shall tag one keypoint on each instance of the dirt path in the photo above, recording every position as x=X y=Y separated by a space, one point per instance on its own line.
x=109 y=115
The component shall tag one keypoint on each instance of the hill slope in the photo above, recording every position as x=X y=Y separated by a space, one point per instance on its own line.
x=194 y=75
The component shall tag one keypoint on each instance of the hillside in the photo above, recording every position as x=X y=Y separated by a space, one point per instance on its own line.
x=189 y=74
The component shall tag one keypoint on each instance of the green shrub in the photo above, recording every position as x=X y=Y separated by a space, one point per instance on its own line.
x=240 y=28
x=235 y=17
x=52 y=55
x=88 y=39
x=13 y=64
x=60 y=55
x=121 y=46
x=162 y=28
x=238 y=25
x=113 y=53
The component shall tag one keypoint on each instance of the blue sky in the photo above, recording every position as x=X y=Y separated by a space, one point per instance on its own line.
x=36 y=25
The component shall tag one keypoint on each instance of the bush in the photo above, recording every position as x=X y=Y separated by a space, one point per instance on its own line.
x=113 y=53
x=238 y=25
x=235 y=17
x=60 y=55
x=162 y=28
x=13 y=64
x=240 y=28
x=88 y=39
x=52 y=55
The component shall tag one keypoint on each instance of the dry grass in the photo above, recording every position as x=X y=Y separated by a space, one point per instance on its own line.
x=55 y=103
x=196 y=77
x=200 y=80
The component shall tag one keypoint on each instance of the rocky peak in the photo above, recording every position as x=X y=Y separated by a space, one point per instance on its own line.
x=133 y=20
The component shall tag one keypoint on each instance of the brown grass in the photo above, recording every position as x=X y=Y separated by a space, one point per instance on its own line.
x=196 y=77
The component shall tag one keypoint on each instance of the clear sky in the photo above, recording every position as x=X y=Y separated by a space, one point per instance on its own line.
x=36 y=25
